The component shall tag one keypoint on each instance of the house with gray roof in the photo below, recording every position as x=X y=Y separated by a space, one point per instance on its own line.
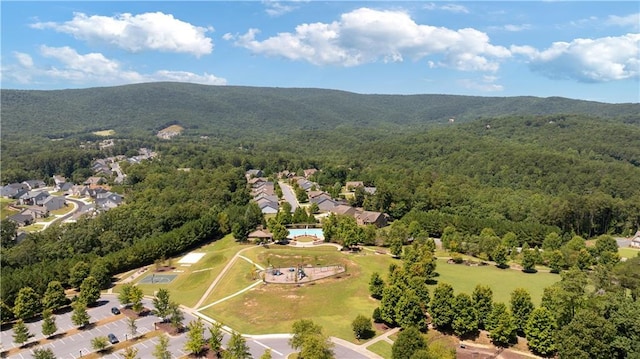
x=33 y=198
x=14 y=190
x=34 y=184
x=53 y=203
x=21 y=219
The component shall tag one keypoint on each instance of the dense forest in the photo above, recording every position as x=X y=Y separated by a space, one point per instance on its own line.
x=543 y=173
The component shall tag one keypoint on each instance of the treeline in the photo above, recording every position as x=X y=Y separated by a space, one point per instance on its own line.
x=588 y=314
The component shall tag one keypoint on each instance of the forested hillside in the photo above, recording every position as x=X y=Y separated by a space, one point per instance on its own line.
x=240 y=112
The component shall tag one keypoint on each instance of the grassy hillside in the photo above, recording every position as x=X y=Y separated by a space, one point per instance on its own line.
x=240 y=111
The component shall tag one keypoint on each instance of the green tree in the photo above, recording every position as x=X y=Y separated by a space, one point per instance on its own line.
x=362 y=327
x=48 y=323
x=465 y=319
x=54 y=296
x=521 y=307
x=195 y=337
x=176 y=317
x=442 y=312
x=266 y=354
x=89 y=291
x=409 y=311
x=583 y=260
x=27 y=304
x=409 y=341
x=99 y=343
x=501 y=325
x=278 y=231
x=528 y=261
x=21 y=333
x=78 y=273
x=587 y=336
x=80 y=317
x=302 y=328
x=6 y=313
x=390 y=297
x=500 y=256
x=101 y=273
x=43 y=353
x=376 y=285
x=316 y=347
x=130 y=353
x=540 y=331
x=136 y=295
x=161 y=304
x=215 y=337
x=124 y=297
x=8 y=231
x=396 y=247
x=556 y=261
x=482 y=302
x=161 y=350
x=552 y=242
x=237 y=347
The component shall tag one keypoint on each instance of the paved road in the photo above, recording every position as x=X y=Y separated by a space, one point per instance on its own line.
x=289 y=195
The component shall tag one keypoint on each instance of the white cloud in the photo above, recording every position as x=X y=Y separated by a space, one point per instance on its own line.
x=486 y=84
x=588 y=60
x=447 y=7
x=149 y=31
x=631 y=20
x=516 y=28
x=277 y=8
x=366 y=35
x=91 y=69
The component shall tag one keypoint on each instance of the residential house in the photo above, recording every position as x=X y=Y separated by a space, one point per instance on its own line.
x=21 y=219
x=95 y=181
x=58 y=180
x=267 y=188
x=635 y=240
x=309 y=172
x=305 y=184
x=270 y=198
x=108 y=200
x=343 y=209
x=326 y=204
x=14 y=190
x=65 y=187
x=36 y=212
x=33 y=198
x=368 y=217
x=253 y=173
x=80 y=191
x=268 y=207
x=318 y=196
x=352 y=185
x=256 y=180
x=34 y=184
x=53 y=203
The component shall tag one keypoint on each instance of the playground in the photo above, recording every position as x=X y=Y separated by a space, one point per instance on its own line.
x=301 y=274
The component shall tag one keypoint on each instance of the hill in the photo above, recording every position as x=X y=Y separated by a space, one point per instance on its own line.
x=235 y=112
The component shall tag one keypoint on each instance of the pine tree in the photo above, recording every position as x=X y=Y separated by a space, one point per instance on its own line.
x=540 y=331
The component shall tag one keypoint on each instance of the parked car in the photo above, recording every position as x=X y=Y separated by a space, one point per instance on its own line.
x=115 y=310
x=112 y=338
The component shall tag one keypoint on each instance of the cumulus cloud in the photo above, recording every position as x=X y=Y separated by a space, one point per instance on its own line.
x=512 y=27
x=91 y=69
x=367 y=35
x=588 y=60
x=149 y=31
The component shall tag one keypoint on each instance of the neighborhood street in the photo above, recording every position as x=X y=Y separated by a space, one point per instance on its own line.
x=289 y=195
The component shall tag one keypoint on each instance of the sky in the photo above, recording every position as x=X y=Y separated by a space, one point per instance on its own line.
x=576 y=49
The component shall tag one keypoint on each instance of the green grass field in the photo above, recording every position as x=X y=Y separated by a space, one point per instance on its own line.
x=333 y=303
x=192 y=283
x=104 y=133
x=4 y=210
x=628 y=252
x=381 y=348
x=502 y=281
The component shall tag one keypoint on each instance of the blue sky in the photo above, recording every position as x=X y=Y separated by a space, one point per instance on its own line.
x=583 y=50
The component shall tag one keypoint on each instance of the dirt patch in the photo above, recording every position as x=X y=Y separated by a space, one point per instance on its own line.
x=164 y=269
x=168 y=328
x=130 y=313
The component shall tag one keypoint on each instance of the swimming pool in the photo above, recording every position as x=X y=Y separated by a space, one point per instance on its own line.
x=295 y=232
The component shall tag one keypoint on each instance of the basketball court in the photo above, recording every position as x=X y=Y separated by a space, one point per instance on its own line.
x=158 y=278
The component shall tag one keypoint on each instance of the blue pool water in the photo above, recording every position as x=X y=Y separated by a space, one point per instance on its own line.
x=306 y=232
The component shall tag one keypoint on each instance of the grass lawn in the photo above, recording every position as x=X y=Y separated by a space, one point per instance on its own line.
x=105 y=133
x=628 y=252
x=191 y=284
x=332 y=303
x=381 y=348
x=236 y=279
x=4 y=210
x=33 y=228
x=62 y=211
x=501 y=281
